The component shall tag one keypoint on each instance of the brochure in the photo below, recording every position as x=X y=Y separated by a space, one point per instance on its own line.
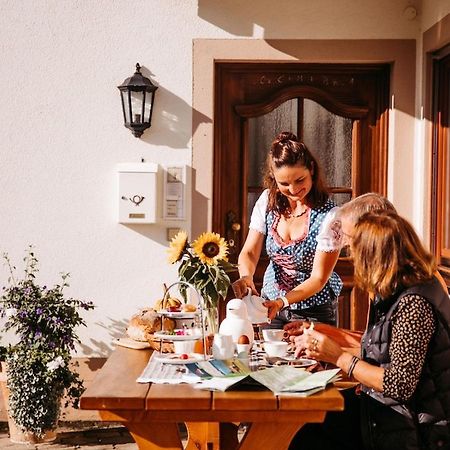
x=223 y=375
x=234 y=373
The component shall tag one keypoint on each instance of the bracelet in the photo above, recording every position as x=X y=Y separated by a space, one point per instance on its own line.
x=352 y=365
x=285 y=301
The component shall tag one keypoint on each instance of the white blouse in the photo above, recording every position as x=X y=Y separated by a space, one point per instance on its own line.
x=329 y=238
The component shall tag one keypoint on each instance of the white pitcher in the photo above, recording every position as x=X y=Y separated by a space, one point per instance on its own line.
x=257 y=312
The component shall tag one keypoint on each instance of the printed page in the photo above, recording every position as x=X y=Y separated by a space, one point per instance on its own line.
x=314 y=381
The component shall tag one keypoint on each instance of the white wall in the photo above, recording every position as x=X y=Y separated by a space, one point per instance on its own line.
x=62 y=134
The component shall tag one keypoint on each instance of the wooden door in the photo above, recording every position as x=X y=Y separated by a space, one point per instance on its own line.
x=253 y=99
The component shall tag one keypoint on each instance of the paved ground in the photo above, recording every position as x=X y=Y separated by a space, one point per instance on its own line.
x=87 y=436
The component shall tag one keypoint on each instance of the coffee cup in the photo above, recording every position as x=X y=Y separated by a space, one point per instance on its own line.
x=271 y=334
x=276 y=348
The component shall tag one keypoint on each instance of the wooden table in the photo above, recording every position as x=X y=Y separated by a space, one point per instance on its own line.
x=151 y=411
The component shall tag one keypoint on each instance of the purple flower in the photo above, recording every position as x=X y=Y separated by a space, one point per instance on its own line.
x=37 y=335
x=38 y=311
x=27 y=291
x=23 y=314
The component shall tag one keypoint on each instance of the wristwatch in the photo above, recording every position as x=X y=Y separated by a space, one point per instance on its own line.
x=285 y=301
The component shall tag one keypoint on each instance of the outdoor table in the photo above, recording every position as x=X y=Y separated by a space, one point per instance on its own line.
x=151 y=412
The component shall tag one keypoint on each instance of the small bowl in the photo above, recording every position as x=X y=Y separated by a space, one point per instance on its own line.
x=276 y=348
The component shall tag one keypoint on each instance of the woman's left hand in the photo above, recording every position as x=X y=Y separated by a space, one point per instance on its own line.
x=317 y=346
x=273 y=308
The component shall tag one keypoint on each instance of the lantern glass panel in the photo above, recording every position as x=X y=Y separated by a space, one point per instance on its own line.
x=148 y=106
x=136 y=106
x=126 y=107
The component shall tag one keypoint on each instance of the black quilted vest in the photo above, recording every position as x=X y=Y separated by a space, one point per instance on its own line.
x=429 y=409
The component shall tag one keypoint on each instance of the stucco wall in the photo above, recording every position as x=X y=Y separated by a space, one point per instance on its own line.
x=61 y=131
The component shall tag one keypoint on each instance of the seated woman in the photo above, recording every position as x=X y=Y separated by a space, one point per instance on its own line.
x=404 y=365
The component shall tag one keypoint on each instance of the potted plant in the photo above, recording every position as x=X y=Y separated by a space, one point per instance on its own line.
x=39 y=371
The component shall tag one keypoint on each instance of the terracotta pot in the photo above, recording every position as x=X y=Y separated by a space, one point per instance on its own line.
x=16 y=435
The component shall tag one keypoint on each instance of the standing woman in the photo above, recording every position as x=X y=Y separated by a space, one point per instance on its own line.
x=295 y=219
x=404 y=366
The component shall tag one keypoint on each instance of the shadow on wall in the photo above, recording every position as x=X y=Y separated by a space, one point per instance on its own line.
x=199 y=203
x=116 y=329
x=171 y=120
x=240 y=20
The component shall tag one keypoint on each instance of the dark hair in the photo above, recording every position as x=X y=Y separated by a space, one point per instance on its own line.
x=287 y=150
x=388 y=255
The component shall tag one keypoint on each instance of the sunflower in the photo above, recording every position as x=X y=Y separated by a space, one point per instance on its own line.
x=177 y=247
x=210 y=248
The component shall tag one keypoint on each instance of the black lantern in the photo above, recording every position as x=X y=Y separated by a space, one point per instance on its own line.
x=138 y=95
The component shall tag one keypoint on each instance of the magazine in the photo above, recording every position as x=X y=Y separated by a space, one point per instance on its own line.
x=234 y=373
x=223 y=375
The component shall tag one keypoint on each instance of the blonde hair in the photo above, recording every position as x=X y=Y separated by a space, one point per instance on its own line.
x=369 y=202
x=388 y=255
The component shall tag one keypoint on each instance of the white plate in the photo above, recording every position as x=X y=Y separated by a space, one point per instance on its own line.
x=177 y=337
x=300 y=362
x=296 y=362
x=178 y=314
x=171 y=358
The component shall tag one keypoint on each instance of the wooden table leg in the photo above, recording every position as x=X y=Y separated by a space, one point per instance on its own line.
x=197 y=435
x=155 y=436
x=269 y=436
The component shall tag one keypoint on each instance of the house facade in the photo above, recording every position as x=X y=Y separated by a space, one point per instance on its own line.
x=62 y=133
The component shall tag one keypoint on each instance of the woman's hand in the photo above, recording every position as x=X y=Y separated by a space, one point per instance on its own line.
x=317 y=346
x=273 y=307
x=240 y=286
x=296 y=328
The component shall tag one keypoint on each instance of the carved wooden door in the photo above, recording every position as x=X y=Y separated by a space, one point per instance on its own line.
x=340 y=111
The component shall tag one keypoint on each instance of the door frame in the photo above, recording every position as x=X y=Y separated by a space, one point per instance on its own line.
x=244 y=90
x=400 y=53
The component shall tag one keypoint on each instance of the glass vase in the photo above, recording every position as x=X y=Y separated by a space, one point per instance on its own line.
x=211 y=320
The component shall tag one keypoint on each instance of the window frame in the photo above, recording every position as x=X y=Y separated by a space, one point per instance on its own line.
x=440 y=155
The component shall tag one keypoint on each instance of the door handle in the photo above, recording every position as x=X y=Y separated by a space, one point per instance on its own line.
x=232 y=233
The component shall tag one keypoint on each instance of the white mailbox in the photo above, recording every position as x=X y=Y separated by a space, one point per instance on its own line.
x=137 y=192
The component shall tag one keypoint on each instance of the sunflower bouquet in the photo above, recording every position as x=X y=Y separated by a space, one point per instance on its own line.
x=204 y=264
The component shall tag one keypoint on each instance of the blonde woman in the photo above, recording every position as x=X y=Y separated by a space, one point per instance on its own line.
x=404 y=365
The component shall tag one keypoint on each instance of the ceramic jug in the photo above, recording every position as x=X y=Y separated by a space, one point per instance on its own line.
x=236 y=322
x=257 y=312
x=223 y=346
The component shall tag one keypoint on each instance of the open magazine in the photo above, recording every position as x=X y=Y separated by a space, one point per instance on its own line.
x=234 y=373
x=222 y=375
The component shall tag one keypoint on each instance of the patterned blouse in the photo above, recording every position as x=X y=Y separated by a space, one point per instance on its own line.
x=291 y=262
x=413 y=325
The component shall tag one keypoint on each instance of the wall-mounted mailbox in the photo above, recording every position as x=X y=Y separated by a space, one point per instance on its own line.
x=137 y=192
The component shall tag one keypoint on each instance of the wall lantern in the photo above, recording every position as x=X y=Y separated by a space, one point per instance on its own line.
x=138 y=95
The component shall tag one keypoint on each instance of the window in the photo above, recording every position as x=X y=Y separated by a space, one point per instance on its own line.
x=441 y=162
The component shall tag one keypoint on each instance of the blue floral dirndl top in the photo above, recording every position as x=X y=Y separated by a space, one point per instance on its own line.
x=291 y=262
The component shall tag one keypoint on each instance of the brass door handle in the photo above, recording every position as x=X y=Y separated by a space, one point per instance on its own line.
x=235 y=226
x=233 y=229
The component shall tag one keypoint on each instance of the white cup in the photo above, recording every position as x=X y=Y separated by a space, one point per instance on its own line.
x=184 y=347
x=271 y=334
x=275 y=348
x=223 y=346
